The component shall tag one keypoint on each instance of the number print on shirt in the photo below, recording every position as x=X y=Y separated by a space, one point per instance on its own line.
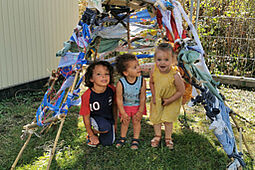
x=94 y=106
x=110 y=101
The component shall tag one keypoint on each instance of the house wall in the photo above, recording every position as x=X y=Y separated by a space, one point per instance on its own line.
x=31 y=32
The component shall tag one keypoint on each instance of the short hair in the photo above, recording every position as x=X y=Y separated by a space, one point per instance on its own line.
x=89 y=72
x=122 y=60
x=166 y=47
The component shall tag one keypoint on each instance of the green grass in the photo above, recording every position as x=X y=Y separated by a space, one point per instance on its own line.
x=195 y=148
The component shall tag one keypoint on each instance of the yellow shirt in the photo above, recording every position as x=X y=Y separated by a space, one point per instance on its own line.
x=164 y=88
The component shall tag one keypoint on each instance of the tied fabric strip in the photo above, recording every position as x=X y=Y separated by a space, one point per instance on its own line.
x=46 y=105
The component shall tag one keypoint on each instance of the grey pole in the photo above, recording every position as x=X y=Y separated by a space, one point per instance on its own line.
x=191 y=9
x=197 y=13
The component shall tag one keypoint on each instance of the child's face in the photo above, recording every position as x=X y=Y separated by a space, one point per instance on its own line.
x=100 y=76
x=133 y=69
x=163 y=61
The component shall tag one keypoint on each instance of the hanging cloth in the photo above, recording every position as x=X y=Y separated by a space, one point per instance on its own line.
x=108 y=45
x=189 y=57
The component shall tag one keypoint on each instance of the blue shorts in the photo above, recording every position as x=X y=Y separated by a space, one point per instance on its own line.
x=102 y=124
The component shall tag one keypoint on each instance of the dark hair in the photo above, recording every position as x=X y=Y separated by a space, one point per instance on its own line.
x=89 y=72
x=166 y=47
x=121 y=62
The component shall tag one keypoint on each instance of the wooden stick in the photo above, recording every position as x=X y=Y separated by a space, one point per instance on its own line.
x=238 y=127
x=197 y=13
x=20 y=152
x=240 y=140
x=53 y=119
x=97 y=47
x=52 y=84
x=55 y=143
x=22 y=149
x=128 y=27
x=185 y=117
x=47 y=130
x=68 y=92
x=244 y=140
x=62 y=123
x=61 y=116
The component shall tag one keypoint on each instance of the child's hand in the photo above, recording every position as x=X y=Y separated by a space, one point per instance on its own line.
x=165 y=102
x=115 y=126
x=153 y=99
x=94 y=140
x=124 y=118
x=138 y=116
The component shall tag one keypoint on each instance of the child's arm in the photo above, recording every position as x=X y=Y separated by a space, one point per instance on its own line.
x=115 y=110
x=92 y=137
x=180 y=89
x=119 y=99
x=152 y=88
x=139 y=114
x=114 y=107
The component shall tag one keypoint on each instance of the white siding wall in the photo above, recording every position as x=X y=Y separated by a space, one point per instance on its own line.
x=31 y=32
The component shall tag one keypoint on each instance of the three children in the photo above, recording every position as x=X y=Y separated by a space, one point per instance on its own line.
x=98 y=103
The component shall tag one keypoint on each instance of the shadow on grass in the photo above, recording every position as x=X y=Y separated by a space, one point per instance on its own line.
x=37 y=147
x=191 y=151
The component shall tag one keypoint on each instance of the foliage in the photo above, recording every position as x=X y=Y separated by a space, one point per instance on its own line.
x=226 y=31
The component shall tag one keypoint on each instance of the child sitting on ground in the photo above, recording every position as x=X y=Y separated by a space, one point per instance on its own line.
x=98 y=106
x=131 y=94
x=167 y=89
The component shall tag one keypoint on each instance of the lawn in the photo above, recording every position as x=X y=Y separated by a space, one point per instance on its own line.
x=195 y=148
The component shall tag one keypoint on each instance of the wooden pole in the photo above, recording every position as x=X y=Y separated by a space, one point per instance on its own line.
x=197 y=13
x=53 y=83
x=191 y=9
x=97 y=47
x=240 y=140
x=55 y=143
x=61 y=125
x=128 y=27
x=30 y=134
x=244 y=140
x=33 y=125
x=48 y=128
x=238 y=127
x=53 y=119
x=21 y=151
x=185 y=117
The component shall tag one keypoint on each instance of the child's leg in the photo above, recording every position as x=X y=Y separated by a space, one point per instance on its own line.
x=125 y=123
x=137 y=129
x=157 y=129
x=136 y=120
x=107 y=139
x=123 y=133
x=157 y=136
x=168 y=130
x=95 y=127
x=124 y=128
x=168 y=134
x=107 y=136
